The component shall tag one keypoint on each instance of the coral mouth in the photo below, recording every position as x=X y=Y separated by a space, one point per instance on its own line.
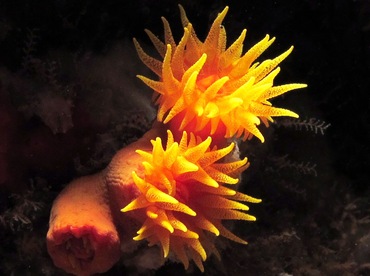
x=80 y=251
x=83 y=250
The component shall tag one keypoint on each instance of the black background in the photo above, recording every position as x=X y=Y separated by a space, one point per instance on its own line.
x=332 y=55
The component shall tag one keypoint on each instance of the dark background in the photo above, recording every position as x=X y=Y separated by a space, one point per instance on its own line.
x=328 y=202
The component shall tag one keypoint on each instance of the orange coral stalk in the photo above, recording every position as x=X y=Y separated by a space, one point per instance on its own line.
x=82 y=238
x=209 y=89
x=182 y=197
x=120 y=184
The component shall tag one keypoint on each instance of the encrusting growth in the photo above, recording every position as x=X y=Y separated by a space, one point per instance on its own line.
x=209 y=89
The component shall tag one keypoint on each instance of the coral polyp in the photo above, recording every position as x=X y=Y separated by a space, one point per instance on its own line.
x=209 y=89
x=184 y=196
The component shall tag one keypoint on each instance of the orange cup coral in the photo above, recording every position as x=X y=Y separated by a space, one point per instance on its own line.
x=184 y=196
x=179 y=187
x=211 y=92
x=209 y=89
